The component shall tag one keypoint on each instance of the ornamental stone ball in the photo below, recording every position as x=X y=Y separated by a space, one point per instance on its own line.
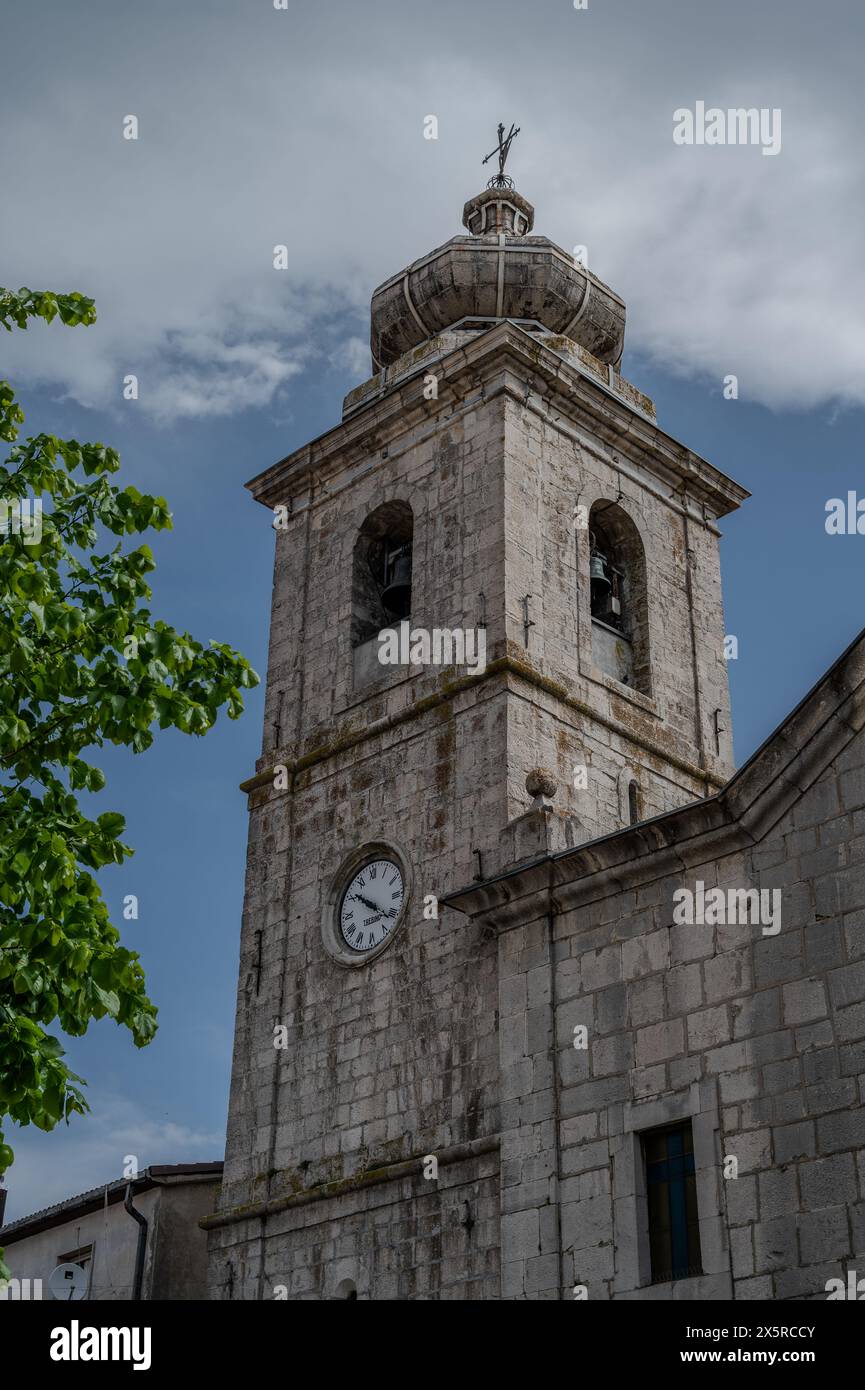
x=541 y=785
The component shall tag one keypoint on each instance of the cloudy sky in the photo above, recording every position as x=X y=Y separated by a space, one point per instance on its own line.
x=304 y=126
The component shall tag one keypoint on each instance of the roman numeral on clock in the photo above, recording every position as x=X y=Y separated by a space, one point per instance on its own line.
x=364 y=922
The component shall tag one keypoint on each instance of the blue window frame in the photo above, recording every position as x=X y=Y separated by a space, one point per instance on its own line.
x=671 y=1188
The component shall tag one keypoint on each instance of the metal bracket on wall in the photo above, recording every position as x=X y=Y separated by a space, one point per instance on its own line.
x=258 y=935
x=277 y=722
x=527 y=621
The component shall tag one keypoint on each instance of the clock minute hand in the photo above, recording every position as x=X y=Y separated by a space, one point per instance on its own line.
x=366 y=902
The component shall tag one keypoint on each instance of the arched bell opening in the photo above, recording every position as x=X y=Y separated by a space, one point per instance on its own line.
x=618 y=597
x=382 y=571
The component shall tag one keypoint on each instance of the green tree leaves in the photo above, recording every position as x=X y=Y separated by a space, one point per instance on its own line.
x=82 y=662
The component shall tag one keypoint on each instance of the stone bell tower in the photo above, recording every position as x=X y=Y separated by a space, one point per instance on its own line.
x=496 y=479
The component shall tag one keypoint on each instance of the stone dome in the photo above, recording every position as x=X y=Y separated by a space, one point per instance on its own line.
x=499 y=271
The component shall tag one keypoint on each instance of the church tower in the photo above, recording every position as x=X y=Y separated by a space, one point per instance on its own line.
x=496 y=573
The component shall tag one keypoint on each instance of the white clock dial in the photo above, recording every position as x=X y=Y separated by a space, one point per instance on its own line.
x=371 y=904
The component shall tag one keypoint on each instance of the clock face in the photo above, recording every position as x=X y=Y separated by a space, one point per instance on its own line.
x=371 y=904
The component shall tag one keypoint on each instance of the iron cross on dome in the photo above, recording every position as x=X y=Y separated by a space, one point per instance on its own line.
x=501 y=180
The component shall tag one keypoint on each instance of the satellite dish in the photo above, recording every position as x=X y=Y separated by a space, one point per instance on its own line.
x=68 y=1282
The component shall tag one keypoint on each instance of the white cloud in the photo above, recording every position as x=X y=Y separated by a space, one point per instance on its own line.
x=352 y=356
x=216 y=378
x=304 y=127
x=92 y=1150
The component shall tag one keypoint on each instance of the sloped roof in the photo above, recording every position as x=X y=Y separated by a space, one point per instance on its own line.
x=97 y=1197
x=791 y=759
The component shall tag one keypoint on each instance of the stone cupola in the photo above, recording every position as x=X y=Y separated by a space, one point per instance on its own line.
x=499 y=271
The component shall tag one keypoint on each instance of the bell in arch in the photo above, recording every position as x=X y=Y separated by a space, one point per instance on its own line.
x=600 y=580
x=396 y=594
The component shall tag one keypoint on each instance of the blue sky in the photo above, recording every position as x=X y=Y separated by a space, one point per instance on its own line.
x=310 y=135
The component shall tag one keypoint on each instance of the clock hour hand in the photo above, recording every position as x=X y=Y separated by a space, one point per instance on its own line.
x=366 y=902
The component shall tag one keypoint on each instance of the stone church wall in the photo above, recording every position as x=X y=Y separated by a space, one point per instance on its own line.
x=758 y=1039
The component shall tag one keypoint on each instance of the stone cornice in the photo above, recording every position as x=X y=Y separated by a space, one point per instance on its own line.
x=505 y=359
x=367 y=1178
x=519 y=671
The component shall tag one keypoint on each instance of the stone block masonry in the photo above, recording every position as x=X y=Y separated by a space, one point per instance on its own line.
x=400 y=1058
x=758 y=1042
x=463 y=1113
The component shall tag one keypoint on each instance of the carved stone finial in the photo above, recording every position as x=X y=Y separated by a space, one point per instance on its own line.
x=497 y=210
x=541 y=785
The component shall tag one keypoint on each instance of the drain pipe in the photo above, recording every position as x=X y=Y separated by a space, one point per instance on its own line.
x=556 y=1086
x=142 y=1243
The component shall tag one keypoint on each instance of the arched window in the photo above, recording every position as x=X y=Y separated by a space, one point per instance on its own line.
x=634 y=814
x=382 y=571
x=619 y=598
